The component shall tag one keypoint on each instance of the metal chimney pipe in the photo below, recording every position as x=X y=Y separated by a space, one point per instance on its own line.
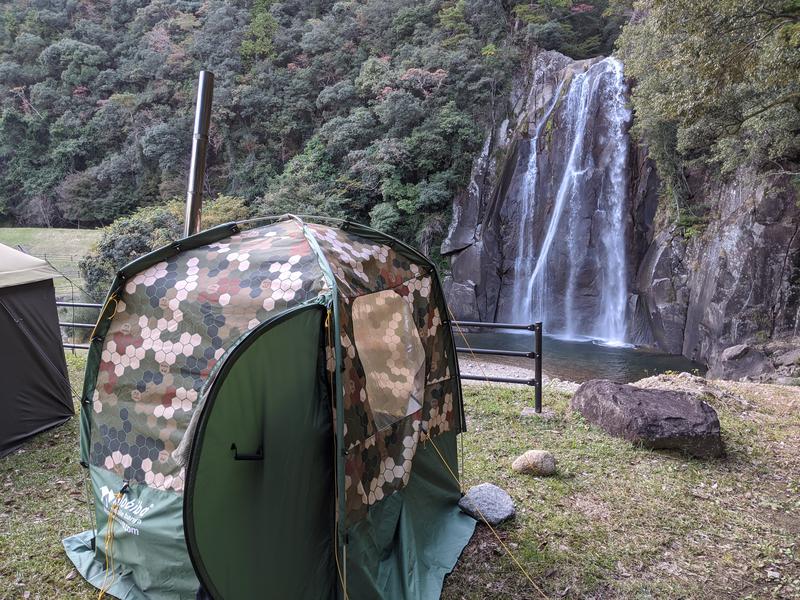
x=197 y=168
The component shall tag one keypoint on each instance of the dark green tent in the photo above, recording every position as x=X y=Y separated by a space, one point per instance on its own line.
x=36 y=394
x=272 y=411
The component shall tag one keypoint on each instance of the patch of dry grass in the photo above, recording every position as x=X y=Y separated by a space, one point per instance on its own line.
x=62 y=248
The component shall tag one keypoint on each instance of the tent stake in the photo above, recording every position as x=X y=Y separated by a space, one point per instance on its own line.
x=197 y=168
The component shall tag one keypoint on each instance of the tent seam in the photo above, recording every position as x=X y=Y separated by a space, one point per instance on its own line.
x=339 y=433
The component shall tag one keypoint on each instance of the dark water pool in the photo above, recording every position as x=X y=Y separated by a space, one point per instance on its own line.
x=579 y=360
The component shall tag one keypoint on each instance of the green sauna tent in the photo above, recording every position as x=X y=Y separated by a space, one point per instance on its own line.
x=271 y=410
x=36 y=395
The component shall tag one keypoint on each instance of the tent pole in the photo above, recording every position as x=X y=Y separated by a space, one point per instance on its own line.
x=197 y=168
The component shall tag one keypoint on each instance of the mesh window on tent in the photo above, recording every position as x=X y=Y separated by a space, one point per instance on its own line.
x=392 y=354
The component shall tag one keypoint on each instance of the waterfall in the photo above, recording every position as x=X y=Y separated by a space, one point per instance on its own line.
x=527 y=204
x=571 y=274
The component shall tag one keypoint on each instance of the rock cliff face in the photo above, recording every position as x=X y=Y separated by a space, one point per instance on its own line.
x=731 y=278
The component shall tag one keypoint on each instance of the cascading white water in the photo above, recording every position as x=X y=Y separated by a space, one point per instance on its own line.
x=615 y=292
x=553 y=272
x=527 y=203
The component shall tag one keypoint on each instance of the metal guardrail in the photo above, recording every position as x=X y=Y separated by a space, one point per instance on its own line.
x=78 y=325
x=80 y=304
x=71 y=346
x=71 y=325
x=535 y=354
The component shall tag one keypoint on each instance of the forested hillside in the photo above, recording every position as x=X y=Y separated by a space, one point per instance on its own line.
x=371 y=109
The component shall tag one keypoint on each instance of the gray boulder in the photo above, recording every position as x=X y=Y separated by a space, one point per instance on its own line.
x=740 y=361
x=657 y=419
x=487 y=501
x=788 y=359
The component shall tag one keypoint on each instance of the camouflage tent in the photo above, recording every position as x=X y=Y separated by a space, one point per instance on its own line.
x=272 y=411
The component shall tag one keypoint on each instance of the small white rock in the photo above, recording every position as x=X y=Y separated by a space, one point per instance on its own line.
x=535 y=462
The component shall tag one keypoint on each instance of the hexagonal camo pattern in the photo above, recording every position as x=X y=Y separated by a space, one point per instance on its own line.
x=172 y=324
x=176 y=319
x=379 y=460
x=389 y=347
x=362 y=266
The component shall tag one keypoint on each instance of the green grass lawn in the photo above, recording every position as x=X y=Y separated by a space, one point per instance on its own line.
x=624 y=522
x=51 y=241
x=63 y=248
x=42 y=501
x=615 y=522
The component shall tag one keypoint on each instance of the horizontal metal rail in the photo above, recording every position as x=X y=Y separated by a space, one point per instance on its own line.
x=535 y=354
x=531 y=382
x=70 y=325
x=78 y=325
x=80 y=304
x=76 y=346
x=523 y=327
x=492 y=351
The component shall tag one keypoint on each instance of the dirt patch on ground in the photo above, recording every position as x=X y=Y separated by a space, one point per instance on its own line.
x=592 y=507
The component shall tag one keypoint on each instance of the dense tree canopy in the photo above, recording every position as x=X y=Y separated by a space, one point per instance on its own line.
x=371 y=109
x=144 y=230
x=716 y=84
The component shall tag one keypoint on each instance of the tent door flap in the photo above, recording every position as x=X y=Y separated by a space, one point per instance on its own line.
x=259 y=502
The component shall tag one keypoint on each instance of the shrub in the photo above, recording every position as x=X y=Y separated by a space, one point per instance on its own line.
x=145 y=230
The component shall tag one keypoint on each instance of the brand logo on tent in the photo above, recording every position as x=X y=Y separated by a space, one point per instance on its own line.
x=130 y=512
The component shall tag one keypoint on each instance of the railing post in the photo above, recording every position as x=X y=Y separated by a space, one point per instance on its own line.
x=197 y=168
x=536 y=354
x=72 y=297
x=537 y=406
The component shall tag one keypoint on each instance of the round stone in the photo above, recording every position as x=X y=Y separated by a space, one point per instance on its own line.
x=535 y=462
